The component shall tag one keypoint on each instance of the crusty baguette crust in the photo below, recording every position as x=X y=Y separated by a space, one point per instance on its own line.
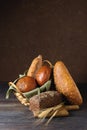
x=65 y=83
x=35 y=65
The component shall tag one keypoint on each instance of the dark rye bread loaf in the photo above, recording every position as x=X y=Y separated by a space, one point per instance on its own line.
x=44 y=100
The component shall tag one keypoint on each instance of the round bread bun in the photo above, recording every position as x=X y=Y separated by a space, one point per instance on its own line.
x=65 y=84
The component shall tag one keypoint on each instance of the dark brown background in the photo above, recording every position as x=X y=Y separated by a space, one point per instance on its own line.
x=57 y=29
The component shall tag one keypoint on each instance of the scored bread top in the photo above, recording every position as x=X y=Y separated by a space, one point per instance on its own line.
x=65 y=84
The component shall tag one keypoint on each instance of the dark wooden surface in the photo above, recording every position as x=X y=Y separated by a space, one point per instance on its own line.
x=14 y=116
x=57 y=29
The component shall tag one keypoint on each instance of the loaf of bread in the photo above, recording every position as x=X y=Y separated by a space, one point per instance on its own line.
x=44 y=100
x=65 y=84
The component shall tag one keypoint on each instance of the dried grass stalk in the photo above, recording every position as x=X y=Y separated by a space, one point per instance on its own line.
x=61 y=112
x=49 y=111
x=22 y=99
x=56 y=111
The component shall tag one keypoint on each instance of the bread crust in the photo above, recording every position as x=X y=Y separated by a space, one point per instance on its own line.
x=44 y=100
x=65 y=83
x=35 y=65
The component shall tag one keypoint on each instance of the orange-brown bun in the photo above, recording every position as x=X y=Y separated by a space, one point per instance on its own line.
x=26 y=84
x=65 y=84
x=43 y=74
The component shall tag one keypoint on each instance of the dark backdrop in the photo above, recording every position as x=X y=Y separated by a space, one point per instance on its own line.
x=57 y=29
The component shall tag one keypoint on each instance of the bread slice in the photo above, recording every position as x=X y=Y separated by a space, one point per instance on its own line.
x=65 y=83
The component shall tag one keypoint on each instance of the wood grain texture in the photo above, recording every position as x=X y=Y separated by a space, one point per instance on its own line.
x=15 y=116
x=56 y=29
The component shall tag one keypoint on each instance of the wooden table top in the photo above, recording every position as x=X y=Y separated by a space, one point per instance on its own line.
x=15 y=116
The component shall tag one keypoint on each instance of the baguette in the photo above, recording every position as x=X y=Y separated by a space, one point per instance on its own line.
x=35 y=65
